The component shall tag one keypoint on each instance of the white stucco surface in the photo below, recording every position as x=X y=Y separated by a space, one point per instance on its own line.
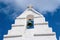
x=40 y=27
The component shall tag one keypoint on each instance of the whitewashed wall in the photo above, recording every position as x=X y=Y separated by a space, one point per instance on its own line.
x=41 y=30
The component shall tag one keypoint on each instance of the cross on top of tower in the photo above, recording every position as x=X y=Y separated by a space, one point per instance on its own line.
x=30 y=6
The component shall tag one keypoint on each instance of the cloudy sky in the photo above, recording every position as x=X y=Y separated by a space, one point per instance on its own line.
x=12 y=8
x=40 y=5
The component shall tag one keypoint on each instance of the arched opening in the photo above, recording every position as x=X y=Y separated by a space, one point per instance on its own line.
x=30 y=22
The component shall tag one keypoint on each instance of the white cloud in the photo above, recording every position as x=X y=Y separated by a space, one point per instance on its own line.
x=41 y=5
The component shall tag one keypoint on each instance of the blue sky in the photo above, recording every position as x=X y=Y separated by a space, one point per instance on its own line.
x=41 y=5
x=10 y=9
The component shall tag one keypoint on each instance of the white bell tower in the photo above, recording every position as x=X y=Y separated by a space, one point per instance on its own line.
x=41 y=30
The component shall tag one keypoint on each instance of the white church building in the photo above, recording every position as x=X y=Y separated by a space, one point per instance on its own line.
x=30 y=25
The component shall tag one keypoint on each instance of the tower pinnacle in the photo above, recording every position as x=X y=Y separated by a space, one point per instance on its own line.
x=30 y=6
